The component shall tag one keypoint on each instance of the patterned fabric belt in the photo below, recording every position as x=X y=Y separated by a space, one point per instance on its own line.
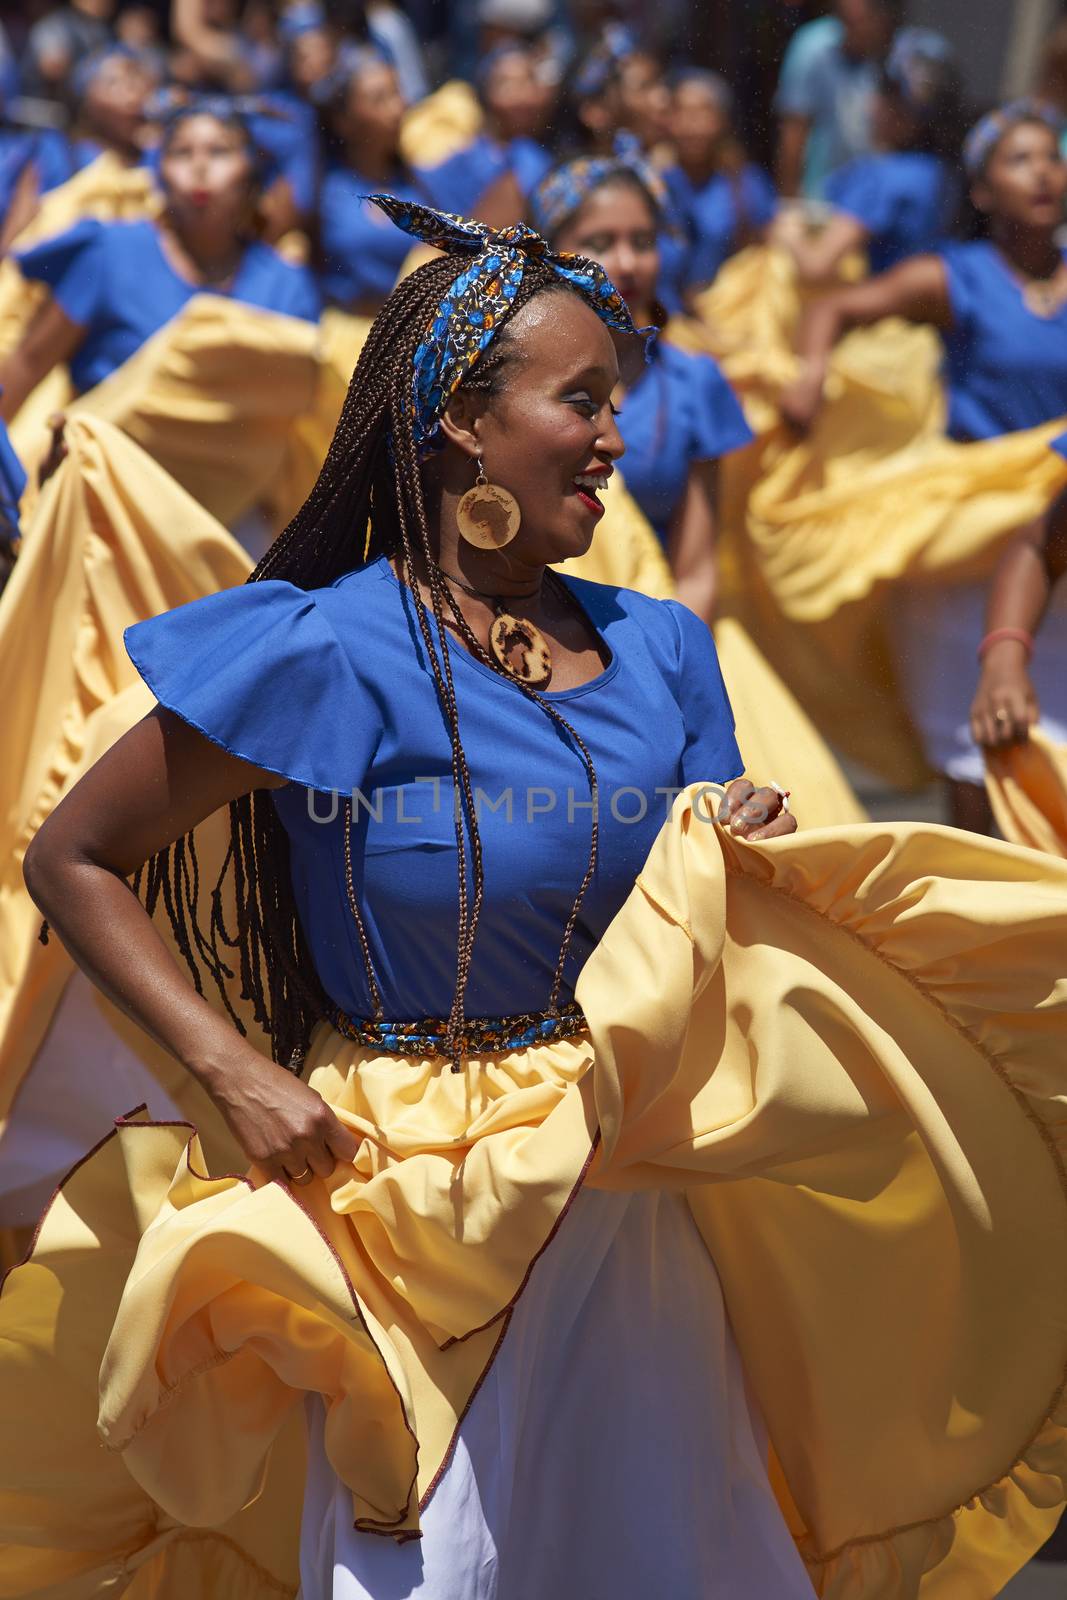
x=480 y=1036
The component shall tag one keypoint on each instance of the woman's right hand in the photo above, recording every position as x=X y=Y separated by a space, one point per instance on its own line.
x=1005 y=707
x=284 y=1128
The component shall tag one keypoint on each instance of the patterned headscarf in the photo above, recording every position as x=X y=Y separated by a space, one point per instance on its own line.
x=920 y=65
x=563 y=190
x=601 y=66
x=479 y=301
x=984 y=137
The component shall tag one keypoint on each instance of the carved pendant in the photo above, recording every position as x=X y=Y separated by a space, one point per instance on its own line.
x=521 y=649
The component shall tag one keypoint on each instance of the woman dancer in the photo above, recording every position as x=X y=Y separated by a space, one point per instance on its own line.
x=904 y=199
x=725 y=199
x=495 y=174
x=114 y=284
x=680 y=415
x=361 y=251
x=1001 y=304
x=562 y=666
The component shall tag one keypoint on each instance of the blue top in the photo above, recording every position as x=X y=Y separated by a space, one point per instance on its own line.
x=1005 y=366
x=48 y=152
x=363 y=249
x=680 y=410
x=360 y=714
x=905 y=199
x=833 y=92
x=113 y=279
x=717 y=211
x=1059 y=444
x=461 y=181
x=12 y=485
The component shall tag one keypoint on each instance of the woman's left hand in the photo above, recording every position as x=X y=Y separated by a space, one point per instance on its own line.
x=753 y=813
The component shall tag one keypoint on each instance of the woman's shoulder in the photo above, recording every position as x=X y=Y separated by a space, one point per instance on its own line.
x=663 y=624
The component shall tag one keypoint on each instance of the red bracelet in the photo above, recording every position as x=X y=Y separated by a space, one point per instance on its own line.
x=1019 y=635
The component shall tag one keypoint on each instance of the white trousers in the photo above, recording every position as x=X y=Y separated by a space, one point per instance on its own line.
x=613 y=1452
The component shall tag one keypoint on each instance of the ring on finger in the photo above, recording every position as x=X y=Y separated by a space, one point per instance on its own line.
x=783 y=794
x=1001 y=715
x=302 y=1177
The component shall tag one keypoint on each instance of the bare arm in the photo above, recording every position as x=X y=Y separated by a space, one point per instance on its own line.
x=691 y=542
x=1005 y=705
x=917 y=289
x=215 y=48
x=153 y=786
x=23 y=205
x=50 y=338
x=819 y=254
x=789 y=166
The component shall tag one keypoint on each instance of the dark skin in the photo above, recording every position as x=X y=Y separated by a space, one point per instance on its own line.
x=552 y=419
x=1005 y=704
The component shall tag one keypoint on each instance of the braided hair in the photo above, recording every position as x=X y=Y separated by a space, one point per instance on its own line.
x=367 y=502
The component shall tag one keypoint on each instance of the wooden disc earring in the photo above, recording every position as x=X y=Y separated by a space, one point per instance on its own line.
x=488 y=516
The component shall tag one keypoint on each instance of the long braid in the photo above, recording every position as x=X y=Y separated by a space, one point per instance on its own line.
x=367 y=501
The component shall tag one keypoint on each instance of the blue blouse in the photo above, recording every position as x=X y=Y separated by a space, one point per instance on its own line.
x=12 y=486
x=359 y=715
x=714 y=217
x=461 y=181
x=1005 y=367
x=362 y=250
x=905 y=200
x=680 y=410
x=113 y=279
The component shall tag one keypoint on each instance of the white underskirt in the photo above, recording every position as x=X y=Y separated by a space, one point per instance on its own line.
x=936 y=633
x=82 y=1077
x=613 y=1452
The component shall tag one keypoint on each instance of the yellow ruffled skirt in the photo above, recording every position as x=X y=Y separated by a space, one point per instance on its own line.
x=845 y=1049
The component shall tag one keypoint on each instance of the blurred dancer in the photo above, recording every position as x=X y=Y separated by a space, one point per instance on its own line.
x=903 y=199
x=679 y=415
x=114 y=284
x=1001 y=305
x=726 y=199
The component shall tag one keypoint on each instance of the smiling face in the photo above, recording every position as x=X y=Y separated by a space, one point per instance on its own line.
x=547 y=434
x=207 y=172
x=616 y=226
x=1025 y=181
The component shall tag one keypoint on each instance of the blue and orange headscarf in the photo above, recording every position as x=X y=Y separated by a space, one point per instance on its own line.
x=479 y=301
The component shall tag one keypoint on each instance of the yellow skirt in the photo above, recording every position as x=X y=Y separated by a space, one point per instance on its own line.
x=845 y=1049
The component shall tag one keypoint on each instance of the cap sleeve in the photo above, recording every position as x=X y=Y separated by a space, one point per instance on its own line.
x=73 y=265
x=711 y=754
x=260 y=671
x=719 y=424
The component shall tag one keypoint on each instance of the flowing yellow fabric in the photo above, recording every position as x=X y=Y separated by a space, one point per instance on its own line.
x=113 y=540
x=845 y=1047
x=440 y=125
x=232 y=402
x=106 y=188
x=816 y=529
x=1027 y=788
x=775 y=735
